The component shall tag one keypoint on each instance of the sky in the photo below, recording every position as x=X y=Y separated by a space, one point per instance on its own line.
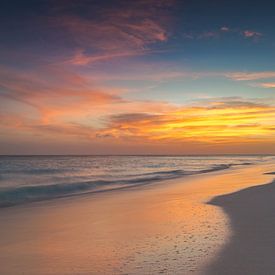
x=137 y=77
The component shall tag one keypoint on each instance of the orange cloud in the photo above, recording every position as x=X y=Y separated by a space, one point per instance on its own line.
x=267 y=85
x=223 y=122
x=56 y=94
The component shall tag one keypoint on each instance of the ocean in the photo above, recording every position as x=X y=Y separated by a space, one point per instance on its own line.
x=34 y=178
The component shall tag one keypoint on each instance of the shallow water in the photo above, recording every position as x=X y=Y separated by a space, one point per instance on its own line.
x=33 y=178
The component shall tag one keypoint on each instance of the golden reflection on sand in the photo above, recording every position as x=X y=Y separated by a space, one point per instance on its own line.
x=159 y=228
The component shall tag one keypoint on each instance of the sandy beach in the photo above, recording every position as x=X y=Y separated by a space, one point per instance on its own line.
x=252 y=244
x=198 y=224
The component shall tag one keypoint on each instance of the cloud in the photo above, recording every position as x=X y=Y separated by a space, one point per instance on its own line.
x=251 y=34
x=131 y=117
x=80 y=58
x=115 y=35
x=56 y=94
x=232 y=102
x=266 y=85
x=121 y=30
x=246 y=76
x=161 y=72
x=225 y=30
x=230 y=120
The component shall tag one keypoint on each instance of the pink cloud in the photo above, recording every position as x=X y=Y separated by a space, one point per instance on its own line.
x=251 y=34
x=80 y=58
x=113 y=35
x=123 y=31
x=246 y=76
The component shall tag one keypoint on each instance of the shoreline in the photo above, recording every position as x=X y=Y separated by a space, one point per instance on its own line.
x=39 y=193
x=164 y=227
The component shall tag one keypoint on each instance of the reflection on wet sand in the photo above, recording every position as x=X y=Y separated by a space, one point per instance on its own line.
x=160 y=228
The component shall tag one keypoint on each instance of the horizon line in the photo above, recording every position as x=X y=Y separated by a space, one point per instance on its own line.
x=134 y=155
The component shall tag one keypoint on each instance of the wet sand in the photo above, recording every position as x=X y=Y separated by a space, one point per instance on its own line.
x=164 y=228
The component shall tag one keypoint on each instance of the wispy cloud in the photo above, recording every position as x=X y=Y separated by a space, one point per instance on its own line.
x=124 y=30
x=55 y=93
x=225 y=30
x=251 y=34
x=266 y=84
x=246 y=76
x=80 y=58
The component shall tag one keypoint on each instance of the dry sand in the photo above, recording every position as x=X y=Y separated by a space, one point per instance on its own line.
x=251 y=249
x=161 y=228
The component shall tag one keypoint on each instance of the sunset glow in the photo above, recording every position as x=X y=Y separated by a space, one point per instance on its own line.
x=134 y=77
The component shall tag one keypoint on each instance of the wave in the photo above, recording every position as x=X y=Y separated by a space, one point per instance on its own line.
x=23 y=194
x=35 y=171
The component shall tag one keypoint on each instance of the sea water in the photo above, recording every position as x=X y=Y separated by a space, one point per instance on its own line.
x=33 y=178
